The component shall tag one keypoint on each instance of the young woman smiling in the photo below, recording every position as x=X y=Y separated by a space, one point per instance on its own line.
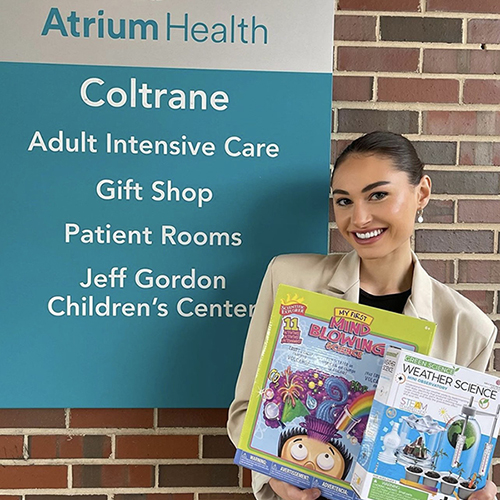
x=379 y=189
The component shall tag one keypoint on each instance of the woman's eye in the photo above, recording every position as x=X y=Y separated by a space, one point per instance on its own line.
x=325 y=461
x=342 y=202
x=298 y=451
x=378 y=196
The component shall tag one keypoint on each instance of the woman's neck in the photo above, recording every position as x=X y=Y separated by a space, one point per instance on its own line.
x=391 y=274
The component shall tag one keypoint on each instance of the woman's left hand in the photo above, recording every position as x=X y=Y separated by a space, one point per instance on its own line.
x=489 y=492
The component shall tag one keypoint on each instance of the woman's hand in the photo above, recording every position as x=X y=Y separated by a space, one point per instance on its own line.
x=289 y=492
x=489 y=492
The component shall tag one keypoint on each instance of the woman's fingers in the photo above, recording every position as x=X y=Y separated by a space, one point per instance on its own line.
x=289 y=492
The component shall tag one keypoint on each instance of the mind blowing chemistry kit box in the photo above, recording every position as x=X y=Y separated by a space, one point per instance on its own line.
x=431 y=432
x=315 y=385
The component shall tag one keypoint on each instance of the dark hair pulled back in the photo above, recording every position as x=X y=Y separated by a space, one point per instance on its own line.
x=388 y=145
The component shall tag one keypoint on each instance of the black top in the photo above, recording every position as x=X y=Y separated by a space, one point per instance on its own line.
x=394 y=302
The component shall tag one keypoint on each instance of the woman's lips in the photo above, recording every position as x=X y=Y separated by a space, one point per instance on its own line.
x=366 y=237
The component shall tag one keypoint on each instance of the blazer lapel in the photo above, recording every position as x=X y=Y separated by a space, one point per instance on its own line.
x=344 y=283
x=419 y=304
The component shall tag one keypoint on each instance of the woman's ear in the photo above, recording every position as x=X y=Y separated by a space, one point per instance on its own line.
x=424 y=191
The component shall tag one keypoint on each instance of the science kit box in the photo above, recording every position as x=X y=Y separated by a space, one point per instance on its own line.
x=315 y=384
x=431 y=432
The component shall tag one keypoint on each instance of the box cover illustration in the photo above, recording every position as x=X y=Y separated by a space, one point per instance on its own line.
x=315 y=385
x=431 y=431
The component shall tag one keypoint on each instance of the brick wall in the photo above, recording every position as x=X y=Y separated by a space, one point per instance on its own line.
x=425 y=68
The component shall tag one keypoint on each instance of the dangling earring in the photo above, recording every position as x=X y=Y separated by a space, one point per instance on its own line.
x=420 y=216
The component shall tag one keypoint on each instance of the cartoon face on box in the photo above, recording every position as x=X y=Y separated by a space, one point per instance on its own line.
x=315 y=446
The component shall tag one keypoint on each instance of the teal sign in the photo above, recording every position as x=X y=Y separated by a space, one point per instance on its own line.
x=142 y=201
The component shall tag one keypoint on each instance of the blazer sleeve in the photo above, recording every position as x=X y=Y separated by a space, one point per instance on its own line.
x=251 y=356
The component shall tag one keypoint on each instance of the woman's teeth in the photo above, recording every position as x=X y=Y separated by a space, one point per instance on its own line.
x=371 y=234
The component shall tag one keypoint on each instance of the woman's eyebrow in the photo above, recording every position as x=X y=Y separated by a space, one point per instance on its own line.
x=339 y=191
x=374 y=185
x=364 y=190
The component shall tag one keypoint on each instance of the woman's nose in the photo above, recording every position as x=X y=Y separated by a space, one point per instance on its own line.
x=361 y=215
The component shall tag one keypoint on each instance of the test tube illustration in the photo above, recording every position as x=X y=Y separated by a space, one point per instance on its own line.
x=488 y=447
x=346 y=421
x=461 y=439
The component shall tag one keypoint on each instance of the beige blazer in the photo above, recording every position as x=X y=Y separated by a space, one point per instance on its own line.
x=464 y=334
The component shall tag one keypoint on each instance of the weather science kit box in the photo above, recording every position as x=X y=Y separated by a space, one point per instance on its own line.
x=431 y=432
x=315 y=385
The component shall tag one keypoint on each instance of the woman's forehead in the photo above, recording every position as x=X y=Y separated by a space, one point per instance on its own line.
x=359 y=171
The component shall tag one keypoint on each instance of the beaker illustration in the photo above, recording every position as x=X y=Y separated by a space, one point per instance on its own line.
x=421 y=439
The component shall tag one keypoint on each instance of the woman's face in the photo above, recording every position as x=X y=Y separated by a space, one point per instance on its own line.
x=375 y=205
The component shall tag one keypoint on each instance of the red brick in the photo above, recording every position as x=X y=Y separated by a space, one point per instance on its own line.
x=33 y=476
x=417 y=90
x=111 y=418
x=479 y=211
x=360 y=120
x=32 y=418
x=497 y=324
x=380 y=5
x=11 y=447
x=482 y=91
x=55 y=446
x=198 y=475
x=157 y=446
x=218 y=447
x=444 y=241
x=482 y=6
x=420 y=29
x=15 y=497
x=355 y=28
x=479 y=153
x=482 y=298
x=461 y=61
x=199 y=417
x=377 y=59
x=439 y=211
x=113 y=476
x=66 y=497
x=337 y=242
x=247 y=478
x=69 y=446
x=483 y=31
x=461 y=122
x=449 y=122
x=463 y=182
x=436 y=152
x=352 y=88
x=152 y=496
x=442 y=270
x=226 y=496
x=478 y=271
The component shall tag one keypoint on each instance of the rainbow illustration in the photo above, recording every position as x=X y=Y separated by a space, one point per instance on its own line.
x=353 y=413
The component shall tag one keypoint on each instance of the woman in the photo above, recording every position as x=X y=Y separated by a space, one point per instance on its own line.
x=378 y=188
